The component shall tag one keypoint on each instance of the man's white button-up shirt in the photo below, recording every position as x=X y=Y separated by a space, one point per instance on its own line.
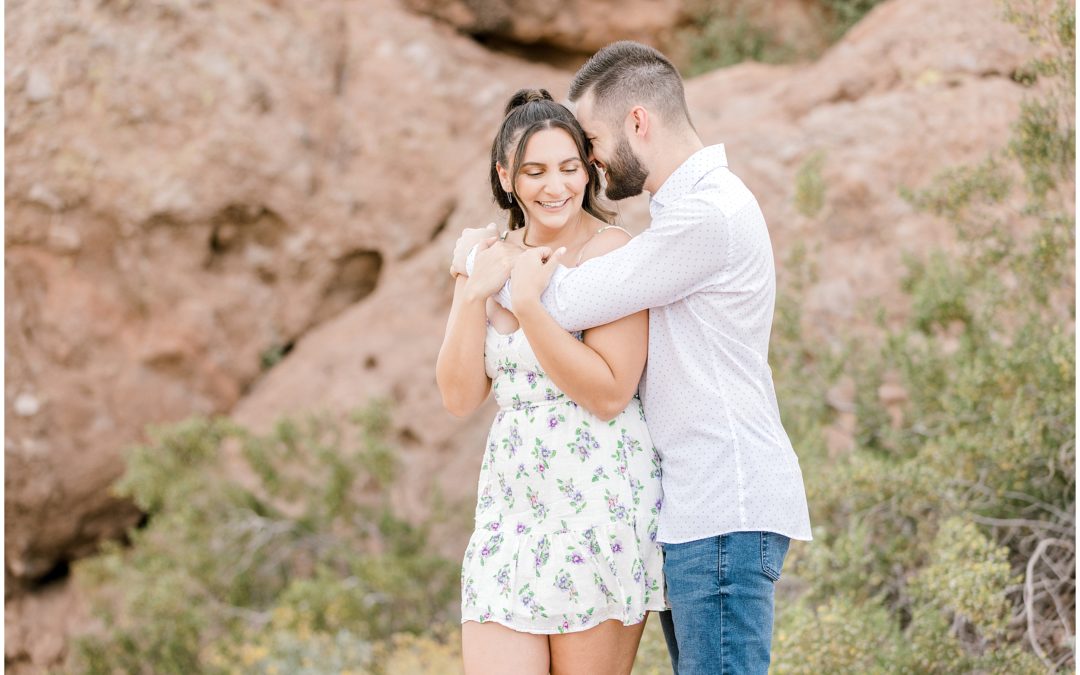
x=704 y=269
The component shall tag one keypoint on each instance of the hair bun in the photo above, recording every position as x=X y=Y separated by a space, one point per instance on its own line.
x=523 y=96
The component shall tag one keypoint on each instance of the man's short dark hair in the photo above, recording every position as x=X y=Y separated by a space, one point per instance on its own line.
x=624 y=74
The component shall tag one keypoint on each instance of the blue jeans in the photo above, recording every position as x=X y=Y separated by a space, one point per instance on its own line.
x=721 y=595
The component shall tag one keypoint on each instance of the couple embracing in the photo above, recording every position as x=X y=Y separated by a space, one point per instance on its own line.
x=588 y=517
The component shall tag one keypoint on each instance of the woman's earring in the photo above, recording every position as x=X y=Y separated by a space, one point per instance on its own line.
x=510 y=196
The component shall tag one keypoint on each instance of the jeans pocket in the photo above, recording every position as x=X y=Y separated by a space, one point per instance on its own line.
x=774 y=549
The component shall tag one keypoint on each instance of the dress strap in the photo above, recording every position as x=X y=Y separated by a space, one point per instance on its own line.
x=605 y=227
x=618 y=227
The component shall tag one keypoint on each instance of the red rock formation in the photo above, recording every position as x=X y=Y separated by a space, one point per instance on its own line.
x=191 y=188
x=572 y=25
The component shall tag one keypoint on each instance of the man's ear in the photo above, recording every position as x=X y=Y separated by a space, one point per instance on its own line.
x=638 y=121
x=504 y=177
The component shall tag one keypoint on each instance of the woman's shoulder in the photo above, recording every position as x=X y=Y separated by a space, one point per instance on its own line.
x=607 y=239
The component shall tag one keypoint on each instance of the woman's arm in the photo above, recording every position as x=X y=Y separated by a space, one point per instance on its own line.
x=459 y=370
x=601 y=373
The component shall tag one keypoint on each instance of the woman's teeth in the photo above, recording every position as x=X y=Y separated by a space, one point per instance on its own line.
x=554 y=205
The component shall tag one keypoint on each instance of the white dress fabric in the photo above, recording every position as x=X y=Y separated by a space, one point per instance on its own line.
x=567 y=507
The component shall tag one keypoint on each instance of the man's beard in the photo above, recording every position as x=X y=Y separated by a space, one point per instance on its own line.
x=625 y=174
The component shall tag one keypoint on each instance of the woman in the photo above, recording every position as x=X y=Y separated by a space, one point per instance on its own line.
x=563 y=565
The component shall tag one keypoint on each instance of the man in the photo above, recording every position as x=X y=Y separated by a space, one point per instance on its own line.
x=733 y=490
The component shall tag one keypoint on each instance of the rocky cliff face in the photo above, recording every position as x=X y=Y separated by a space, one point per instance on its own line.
x=191 y=188
x=247 y=207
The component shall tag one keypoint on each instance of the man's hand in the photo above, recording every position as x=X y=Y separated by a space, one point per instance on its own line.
x=470 y=236
x=531 y=274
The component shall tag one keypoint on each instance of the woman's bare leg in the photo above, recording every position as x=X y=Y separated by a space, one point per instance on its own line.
x=607 y=649
x=493 y=649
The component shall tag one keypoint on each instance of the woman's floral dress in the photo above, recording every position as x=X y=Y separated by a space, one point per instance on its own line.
x=567 y=507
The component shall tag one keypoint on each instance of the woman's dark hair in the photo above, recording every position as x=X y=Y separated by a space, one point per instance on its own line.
x=529 y=111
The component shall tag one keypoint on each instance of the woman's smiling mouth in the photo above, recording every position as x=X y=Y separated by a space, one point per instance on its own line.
x=554 y=206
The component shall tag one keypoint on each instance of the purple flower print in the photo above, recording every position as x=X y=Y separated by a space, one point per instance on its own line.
x=509 y=367
x=490 y=548
x=616 y=509
x=585 y=618
x=541 y=554
x=575 y=558
x=535 y=609
x=542 y=453
x=530 y=377
x=583 y=443
x=503 y=579
x=470 y=592
x=577 y=499
x=521 y=529
x=513 y=441
x=486 y=500
x=603 y=587
x=590 y=539
x=553 y=421
x=565 y=583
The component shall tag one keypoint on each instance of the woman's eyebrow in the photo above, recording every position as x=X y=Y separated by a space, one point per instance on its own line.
x=568 y=159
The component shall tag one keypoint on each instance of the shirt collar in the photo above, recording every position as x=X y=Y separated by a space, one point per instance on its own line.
x=688 y=175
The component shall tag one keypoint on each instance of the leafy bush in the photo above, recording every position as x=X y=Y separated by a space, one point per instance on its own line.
x=844 y=14
x=945 y=540
x=300 y=568
x=810 y=186
x=722 y=33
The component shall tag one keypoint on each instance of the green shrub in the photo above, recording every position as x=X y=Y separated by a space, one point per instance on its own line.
x=722 y=34
x=846 y=13
x=302 y=567
x=810 y=186
x=945 y=541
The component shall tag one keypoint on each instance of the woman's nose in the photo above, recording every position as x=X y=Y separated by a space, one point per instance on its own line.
x=556 y=183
